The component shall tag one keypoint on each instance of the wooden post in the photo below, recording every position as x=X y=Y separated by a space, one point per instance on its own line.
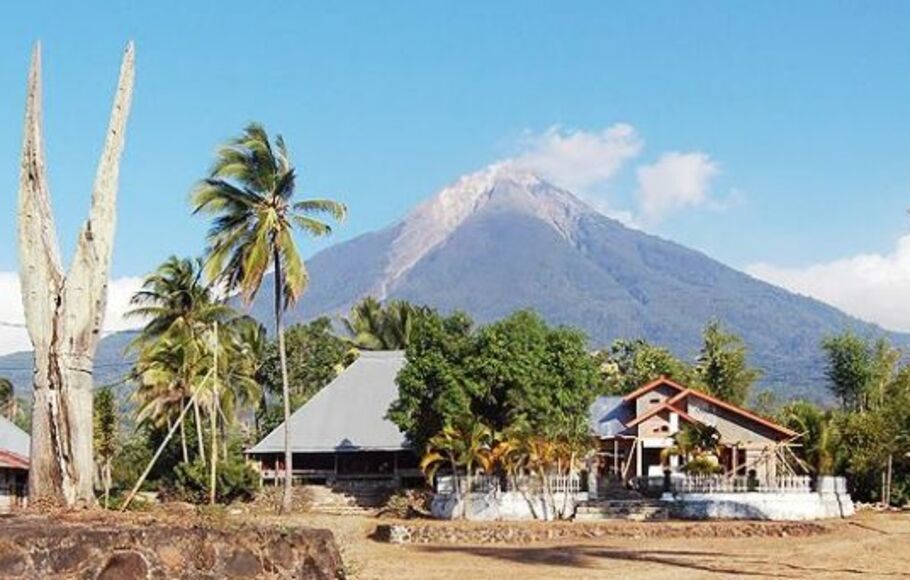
x=638 y=458
x=615 y=457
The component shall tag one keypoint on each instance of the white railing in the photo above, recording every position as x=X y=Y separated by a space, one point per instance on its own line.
x=738 y=484
x=445 y=484
x=557 y=483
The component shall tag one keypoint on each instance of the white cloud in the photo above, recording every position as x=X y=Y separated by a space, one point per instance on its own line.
x=675 y=181
x=13 y=339
x=587 y=162
x=872 y=287
x=582 y=161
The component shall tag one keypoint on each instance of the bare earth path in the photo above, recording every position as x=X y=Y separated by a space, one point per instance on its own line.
x=871 y=545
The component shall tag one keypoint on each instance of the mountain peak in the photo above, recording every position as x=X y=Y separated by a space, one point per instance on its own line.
x=502 y=186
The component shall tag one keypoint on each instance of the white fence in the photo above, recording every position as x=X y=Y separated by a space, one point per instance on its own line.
x=723 y=484
x=557 y=483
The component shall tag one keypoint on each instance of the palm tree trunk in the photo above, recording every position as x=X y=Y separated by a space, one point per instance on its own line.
x=199 y=438
x=213 y=422
x=285 y=388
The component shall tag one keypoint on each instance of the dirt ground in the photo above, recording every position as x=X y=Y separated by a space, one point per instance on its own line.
x=871 y=545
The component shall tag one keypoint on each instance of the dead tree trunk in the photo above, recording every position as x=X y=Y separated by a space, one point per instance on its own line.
x=64 y=312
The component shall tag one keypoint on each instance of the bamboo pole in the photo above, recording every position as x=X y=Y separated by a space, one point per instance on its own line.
x=154 y=459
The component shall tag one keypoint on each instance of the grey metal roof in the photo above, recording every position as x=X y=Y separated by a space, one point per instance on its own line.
x=349 y=413
x=609 y=416
x=13 y=438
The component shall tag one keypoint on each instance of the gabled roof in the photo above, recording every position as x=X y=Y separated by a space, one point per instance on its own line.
x=662 y=381
x=14 y=440
x=610 y=416
x=348 y=414
x=666 y=406
x=733 y=409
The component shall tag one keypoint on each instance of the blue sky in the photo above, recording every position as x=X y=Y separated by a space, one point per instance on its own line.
x=802 y=111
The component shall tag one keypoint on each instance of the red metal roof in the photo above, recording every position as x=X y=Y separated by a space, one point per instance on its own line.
x=662 y=407
x=653 y=385
x=733 y=409
x=11 y=460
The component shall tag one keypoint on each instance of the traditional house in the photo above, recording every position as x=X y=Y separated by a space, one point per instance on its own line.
x=14 y=452
x=342 y=433
x=633 y=431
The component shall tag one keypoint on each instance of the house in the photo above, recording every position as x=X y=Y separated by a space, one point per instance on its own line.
x=14 y=453
x=342 y=433
x=634 y=429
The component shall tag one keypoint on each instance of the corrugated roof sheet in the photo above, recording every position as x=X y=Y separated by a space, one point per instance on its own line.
x=349 y=413
x=13 y=439
x=609 y=416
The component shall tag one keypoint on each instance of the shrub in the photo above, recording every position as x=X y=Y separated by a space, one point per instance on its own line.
x=235 y=480
x=406 y=504
x=703 y=465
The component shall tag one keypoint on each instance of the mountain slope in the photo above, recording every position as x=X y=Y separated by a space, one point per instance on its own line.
x=500 y=240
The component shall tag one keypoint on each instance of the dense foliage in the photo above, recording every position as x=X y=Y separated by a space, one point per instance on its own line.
x=721 y=365
x=515 y=371
x=374 y=326
x=868 y=438
x=315 y=356
x=720 y=369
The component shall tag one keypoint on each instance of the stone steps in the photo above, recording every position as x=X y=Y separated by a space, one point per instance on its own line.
x=346 y=499
x=638 y=510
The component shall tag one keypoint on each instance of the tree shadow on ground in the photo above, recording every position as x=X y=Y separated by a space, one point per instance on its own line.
x=600 y=557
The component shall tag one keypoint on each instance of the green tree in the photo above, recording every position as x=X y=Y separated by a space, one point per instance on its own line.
x=468 y=444
x=249 y=193
x=515 y=370
x=106 y=435
x=819 y=435
x=434 y=387
x=721 y=365
x=850 y=369
x=699 y=445
x=628 y=364
x=315 y=357
x=373 y=326
x=7 y=399
x=765 y=404
x=179 y=311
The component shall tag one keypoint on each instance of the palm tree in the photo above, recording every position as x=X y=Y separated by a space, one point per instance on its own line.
x=699 y=444
x=819 y=434
x=249 y=193
x=467 y=444
x=365 y=324
x=179 y=310
x=372 y=326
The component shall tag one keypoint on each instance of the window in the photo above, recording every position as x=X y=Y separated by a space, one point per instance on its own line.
x=654 y=400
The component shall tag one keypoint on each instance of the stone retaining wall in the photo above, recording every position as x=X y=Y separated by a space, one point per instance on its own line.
x=760 y=506
x=503 y=506
x=33 y=547
x=426 y=532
